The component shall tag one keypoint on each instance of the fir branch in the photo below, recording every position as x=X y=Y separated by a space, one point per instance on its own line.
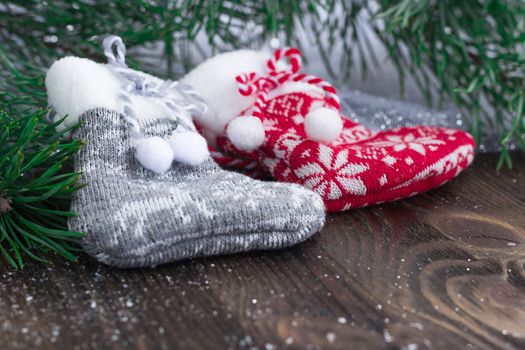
x=471 y=51
x=34 y=190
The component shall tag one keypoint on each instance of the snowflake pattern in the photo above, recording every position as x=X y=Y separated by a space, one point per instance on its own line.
x=409 y=141
x=332 y=175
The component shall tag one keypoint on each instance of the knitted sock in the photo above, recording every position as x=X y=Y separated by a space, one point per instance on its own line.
x=135 y=217
x=153 y=194
x=263 y=111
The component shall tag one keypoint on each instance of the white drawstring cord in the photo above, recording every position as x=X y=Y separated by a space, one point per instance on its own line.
x=154 y=152
x=139 y=85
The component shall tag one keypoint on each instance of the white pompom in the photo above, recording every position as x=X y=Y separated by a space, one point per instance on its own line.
x=323 y=125
x=189 y=147
x=246 y=133
x=154 y=154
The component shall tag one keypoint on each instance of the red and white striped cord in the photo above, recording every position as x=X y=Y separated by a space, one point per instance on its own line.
x=250 y=83
x=292 y=53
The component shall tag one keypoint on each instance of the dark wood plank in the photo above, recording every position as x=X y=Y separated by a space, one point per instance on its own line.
x=445 y=269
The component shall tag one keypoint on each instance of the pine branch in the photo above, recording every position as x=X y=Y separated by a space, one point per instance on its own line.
x=34 y=33
x=34 y=189
x=473 y=48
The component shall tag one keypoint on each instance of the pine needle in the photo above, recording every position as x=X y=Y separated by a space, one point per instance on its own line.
x=33 y=194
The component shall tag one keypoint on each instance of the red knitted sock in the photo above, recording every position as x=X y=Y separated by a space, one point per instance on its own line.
x=293 y=129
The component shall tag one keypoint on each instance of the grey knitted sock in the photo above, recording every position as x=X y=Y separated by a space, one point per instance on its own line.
x=134 y=217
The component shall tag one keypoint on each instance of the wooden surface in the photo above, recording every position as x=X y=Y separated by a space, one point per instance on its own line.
x=442 y=270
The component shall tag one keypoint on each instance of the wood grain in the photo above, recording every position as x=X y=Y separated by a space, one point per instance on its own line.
x=442 y=270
